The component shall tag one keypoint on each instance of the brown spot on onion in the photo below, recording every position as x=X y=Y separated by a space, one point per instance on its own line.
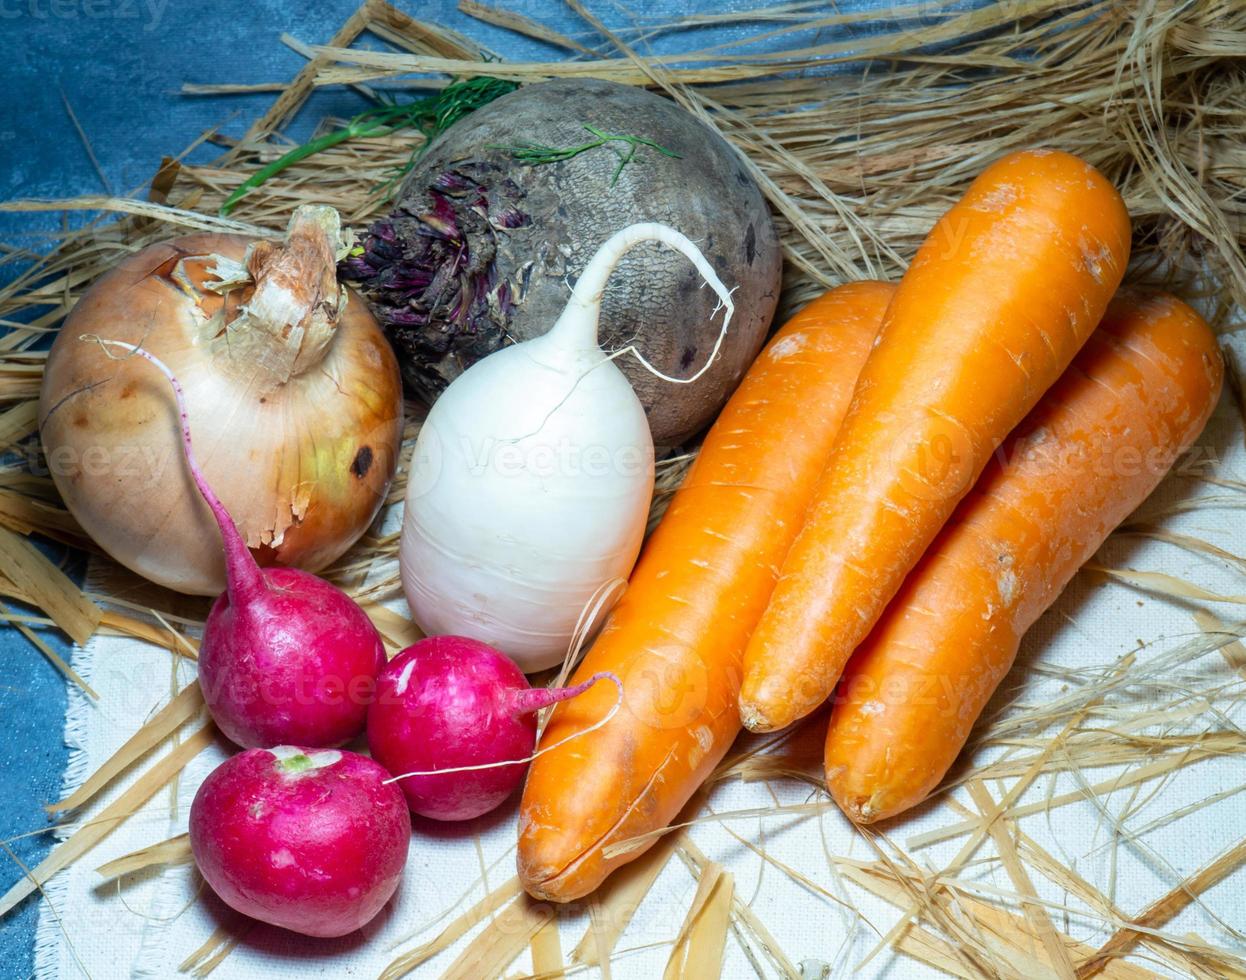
x=362 y=462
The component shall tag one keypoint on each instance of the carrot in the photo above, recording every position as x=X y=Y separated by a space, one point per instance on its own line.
x=1098 y=443
x=678 y=633
x=1007 y=287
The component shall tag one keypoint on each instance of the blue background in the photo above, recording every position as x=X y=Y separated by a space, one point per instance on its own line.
x=118 y=66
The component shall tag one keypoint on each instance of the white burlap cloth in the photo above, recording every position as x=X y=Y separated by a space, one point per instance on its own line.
x=148 y=924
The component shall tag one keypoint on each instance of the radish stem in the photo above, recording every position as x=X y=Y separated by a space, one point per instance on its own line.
x=244 y=578
x=536 y=698
x=547 y=696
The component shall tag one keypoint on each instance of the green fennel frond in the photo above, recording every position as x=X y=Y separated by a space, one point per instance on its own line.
x=431 y=116
x=536 y=154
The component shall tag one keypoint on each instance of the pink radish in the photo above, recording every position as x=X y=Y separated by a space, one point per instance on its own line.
x=455 y=704
x=286 y=658
x=310 y=840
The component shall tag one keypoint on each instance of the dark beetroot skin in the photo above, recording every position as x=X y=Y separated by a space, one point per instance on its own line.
x=297 y=668
x=317 y=851
x=449 y=701
x=479 y=247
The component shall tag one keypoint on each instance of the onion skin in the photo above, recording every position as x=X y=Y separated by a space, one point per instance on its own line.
x=302 y=465
x=318 y=851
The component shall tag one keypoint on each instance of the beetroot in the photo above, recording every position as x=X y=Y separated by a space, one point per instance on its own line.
x=312 y=841
x=484 y=242
x=449 y=702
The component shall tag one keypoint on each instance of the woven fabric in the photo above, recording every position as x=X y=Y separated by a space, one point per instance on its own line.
x=146 y=927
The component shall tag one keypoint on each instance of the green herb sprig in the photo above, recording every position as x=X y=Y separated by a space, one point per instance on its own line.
x=536 y=154
x=431 y=116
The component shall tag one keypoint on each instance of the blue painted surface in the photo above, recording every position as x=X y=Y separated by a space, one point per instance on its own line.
x=32 y=763
x=118 y=66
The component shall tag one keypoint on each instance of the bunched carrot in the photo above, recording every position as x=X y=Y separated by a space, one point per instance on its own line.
x=999 y=298
x=678 y=633
x=1134 y=398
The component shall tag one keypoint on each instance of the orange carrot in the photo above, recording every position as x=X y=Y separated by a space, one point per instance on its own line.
x=999 y=298
x=1099 y=441
x=678 y=633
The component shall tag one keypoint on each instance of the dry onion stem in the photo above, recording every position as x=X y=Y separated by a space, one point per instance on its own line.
x=1147 y=91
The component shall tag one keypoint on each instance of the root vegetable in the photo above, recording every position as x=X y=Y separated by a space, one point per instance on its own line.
x=678 y=634
x=532 y=478
x=285 y=658
x=1097 y=444
x=311 y=841
x=295 y=397
x=1001 y=295
x=513 y=199
x=449 y=702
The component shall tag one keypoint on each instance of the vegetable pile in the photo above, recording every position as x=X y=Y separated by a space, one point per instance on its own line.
x=293 y=832
x=900 y=483
x=763 y=581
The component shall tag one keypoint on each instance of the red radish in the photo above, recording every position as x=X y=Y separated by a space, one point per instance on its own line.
x=451 y=703
x=312 y=841
x=286 y=658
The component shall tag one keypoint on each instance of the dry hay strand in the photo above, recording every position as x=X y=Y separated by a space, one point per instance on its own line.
x=857 y=164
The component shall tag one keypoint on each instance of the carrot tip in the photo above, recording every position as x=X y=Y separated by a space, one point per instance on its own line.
x=857 y=810
x=754 y=718
x=556 y=886
x=537 y=891
x=860 y=809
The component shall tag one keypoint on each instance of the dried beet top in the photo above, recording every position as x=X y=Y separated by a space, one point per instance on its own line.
x=492 y=225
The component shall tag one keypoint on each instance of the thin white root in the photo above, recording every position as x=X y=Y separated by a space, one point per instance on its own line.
x=614 y=710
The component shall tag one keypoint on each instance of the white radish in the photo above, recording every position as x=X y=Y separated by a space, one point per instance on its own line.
x=532 y=478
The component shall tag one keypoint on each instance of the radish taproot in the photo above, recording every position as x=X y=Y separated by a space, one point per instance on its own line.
x=452 y=703
x=532 y=478
x=285 y=658
x=310 y=840
x=514 y=198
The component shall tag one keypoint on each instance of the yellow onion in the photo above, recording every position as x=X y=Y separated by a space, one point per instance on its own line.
x=293 y=394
